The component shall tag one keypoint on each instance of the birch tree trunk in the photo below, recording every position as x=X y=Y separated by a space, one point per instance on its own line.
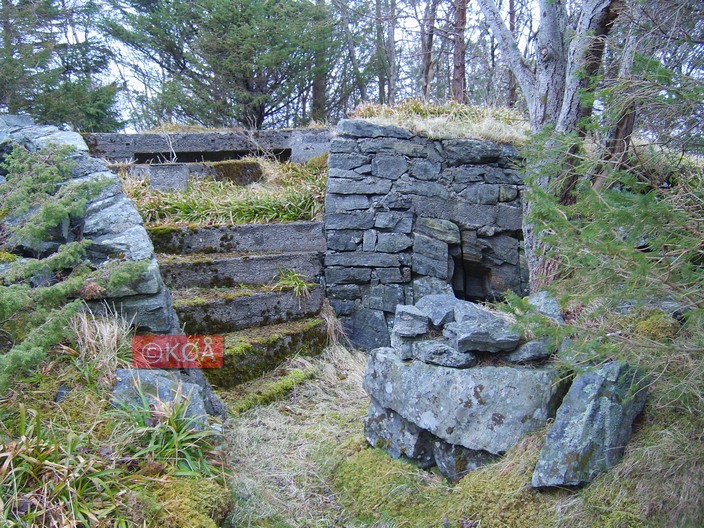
x=427 y=36
x=568 y=55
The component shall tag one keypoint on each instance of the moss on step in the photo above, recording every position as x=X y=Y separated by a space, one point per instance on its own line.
x=203 y=296
x=241 y=172
x=250 y=353
x=273 y=387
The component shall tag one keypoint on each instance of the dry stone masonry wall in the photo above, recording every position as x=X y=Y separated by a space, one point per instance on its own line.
x=407 y=216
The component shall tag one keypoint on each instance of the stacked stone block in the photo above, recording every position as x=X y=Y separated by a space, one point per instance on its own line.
x=408 y=216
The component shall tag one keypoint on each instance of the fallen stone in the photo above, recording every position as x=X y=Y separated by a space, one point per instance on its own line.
x=478 y=330
x=440 y=308
x=455 y=461
x=481 y=408
x=536 y=350
x=439 y=352
x=592 y=426
x=409 y=321
x=385 y=429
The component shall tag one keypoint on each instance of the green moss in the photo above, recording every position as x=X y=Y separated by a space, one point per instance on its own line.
x=191 y=502
x=374 y=487
x=7 y=257
x=250 y=353
x=265 y=390
x=657 y=326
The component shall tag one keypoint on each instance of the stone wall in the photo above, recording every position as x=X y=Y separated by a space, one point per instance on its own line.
x=407 y=216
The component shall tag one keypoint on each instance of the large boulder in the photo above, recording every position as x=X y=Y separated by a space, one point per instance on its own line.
x=592 y=426
x=137 y=387
x=481 y=408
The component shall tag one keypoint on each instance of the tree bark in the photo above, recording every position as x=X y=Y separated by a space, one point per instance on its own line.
x=319 y=86
x=381 y=66
x=392 y=59
x=459 y=77
x=427 y=36
x=566 y=62
x=512 y=97
x=352 y=54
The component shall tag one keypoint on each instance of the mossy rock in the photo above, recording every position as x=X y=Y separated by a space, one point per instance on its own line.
x=188 y=502
x=163 y=237
x=250 y=353
x=6 y=257
x=241 y=172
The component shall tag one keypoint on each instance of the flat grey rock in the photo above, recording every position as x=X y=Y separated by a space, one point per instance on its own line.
x=478 y=330
x=481 y=408
x=409 y=321
x=547 y=305
x=440 y=308
x=536 y=350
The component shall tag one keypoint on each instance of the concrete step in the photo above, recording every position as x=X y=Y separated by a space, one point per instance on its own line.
x=217 y=311
x=218 y=270
x=247 y=238
x=253 y=352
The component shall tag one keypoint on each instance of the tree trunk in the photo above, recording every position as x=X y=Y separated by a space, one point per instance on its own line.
x=427 y=36
x=567 y=59
x=459 y=77
x=318 y=103
x=392 y=59
x=352 y=54
x=381 y=66
x=512 y=97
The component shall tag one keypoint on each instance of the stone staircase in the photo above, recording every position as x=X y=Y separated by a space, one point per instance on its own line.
x=231 y=280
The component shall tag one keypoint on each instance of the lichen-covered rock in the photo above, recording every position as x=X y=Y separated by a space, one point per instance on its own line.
x=455 y=461
x=386 y=429
x=592 y=426
x=481 y=408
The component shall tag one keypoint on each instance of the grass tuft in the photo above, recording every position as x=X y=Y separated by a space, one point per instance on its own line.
x=287 y=193
x=450 y=120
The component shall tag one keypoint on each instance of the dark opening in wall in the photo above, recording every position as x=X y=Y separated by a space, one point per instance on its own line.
x=197 y=157
x=470 y=280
